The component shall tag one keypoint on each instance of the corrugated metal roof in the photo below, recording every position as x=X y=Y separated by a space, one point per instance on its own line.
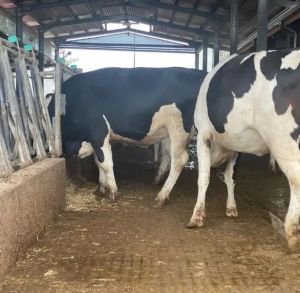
x=188 y=20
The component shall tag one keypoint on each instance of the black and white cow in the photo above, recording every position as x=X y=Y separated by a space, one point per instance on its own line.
x=139 y=106
x=251 y=104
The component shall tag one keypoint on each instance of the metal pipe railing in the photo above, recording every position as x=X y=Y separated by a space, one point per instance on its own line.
x=25 y=125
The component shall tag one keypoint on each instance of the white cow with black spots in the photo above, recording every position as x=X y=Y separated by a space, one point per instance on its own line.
x=251 y=104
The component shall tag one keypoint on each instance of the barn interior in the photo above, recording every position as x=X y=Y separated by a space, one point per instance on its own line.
x=58 y=234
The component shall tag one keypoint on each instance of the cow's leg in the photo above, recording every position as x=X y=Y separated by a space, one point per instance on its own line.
x=102 y=177
x=229 y=179
x=179 y=157
x=102 y=180
x=164 y=165
x=102 y=147
x=107 y=167
x=156 y=151
x=288 y=159
x=204 y=164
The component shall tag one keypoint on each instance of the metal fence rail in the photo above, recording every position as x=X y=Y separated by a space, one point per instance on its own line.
x=16 y=126
x=62 y=73
x=25 y=126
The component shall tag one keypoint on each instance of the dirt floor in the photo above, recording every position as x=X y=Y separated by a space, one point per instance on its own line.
x=130 y=246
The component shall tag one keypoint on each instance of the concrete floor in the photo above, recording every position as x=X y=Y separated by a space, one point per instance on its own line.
x=129 y=246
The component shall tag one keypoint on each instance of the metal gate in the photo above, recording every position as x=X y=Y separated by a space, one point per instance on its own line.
x=25 y=127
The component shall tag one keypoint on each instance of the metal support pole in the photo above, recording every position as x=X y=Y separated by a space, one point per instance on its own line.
x=216 y=44
x=233 y=26
x=262 y=25
x=290 y=32
x=196 y=59
x=41 y=49
x=57 y=127
x=19 y=23
x=204 y=63
x=56 y=51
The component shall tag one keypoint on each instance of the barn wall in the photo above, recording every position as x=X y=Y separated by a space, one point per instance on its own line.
x=28 y=203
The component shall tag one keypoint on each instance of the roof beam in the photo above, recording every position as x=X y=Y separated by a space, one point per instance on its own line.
x=61 y=39
x=209 y=15
x=192 y=43
x=284 y=3
x=50 y=26
x=197 y=2
x=173 y=11
x=58 y=3
x=118 y=17
x=94 y=14
x=151 y=3
x=129 y=47
x=158 y=35
x=200 y=32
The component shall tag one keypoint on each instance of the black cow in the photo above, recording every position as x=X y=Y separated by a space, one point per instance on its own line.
x=251 y=104
x=140 y=106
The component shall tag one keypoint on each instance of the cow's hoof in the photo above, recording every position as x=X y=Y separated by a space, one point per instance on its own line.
x=160 y=201
x=102 y=189
x=293 y=238
x=197 y=223
x=113 y=196
x=100 y=192
x=159 y=204
x=232 y=212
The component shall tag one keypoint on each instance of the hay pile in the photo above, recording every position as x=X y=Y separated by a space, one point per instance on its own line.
x=87 y=197
x=83 y=197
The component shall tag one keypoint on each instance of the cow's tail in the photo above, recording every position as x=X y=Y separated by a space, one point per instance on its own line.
x=106 y=121
x=107 y=124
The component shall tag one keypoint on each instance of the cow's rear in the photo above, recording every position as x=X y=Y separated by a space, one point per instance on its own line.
x=251 y=104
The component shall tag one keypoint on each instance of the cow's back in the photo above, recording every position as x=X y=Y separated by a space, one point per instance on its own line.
x=129 y=98
x=250 y=96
